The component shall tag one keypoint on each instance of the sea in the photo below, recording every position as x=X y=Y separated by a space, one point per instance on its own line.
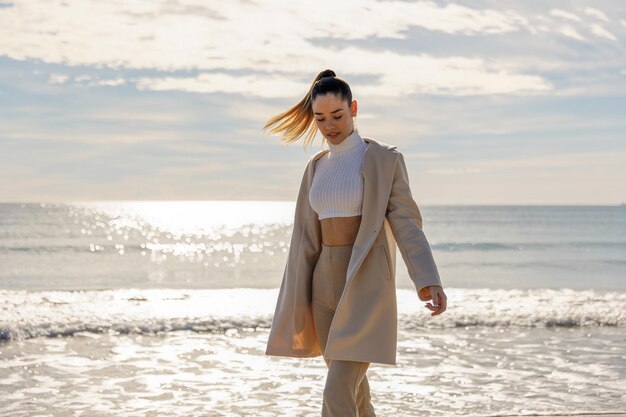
x=150 y=308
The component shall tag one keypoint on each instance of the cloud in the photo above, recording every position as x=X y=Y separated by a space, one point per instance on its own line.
x=602 y=32
x=565 y=15
x=597 y=160
x=257 y=85
x=506 y=96
x=111 y=82
x=571 y=33
x=226 y=50
x=454 y=171
x=58 y=78
x=397 y=75
x=598 y=14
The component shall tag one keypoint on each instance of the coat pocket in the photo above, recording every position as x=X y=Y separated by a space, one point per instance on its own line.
x=382 y=261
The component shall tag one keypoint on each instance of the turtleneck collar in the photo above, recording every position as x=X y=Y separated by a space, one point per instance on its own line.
x=350 y=142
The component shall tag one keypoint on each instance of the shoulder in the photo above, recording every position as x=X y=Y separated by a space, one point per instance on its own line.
x=380 y=146
x=317 y=155
x=312 y=159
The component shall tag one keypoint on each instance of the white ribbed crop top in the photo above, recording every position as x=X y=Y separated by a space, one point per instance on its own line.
x=337 y=187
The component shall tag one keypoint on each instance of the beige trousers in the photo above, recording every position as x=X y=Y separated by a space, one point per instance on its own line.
x=347 y=391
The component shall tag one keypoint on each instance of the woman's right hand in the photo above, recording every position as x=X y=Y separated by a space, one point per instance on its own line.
x=439 y=300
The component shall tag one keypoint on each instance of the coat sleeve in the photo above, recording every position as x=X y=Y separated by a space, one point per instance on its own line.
x=304 y=252
x=405 y=220
x=292 y=330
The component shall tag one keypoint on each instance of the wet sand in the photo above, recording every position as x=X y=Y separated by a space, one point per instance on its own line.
x=459 y=374
x=616 y=414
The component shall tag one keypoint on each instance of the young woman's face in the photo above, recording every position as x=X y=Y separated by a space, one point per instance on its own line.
x=333 y=117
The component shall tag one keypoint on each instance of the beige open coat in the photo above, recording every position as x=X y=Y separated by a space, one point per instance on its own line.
x=364 y=327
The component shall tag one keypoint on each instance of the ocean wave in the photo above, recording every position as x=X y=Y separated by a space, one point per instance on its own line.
x=29 y=314
x=201 y=246
x=524 y=246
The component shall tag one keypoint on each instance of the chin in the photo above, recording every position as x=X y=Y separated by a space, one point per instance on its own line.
x=331 y=138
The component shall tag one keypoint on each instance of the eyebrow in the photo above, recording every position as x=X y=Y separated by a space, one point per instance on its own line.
x=334 y=111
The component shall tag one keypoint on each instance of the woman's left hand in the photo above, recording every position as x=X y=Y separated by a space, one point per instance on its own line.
x=439 y=300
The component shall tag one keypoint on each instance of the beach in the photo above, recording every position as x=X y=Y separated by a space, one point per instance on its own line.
x=192 y=351
x=190 y=373
x=178 y=326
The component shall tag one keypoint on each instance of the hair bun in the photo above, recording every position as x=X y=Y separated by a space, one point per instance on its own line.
x=327 y=73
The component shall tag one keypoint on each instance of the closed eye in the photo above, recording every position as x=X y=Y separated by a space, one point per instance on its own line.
x=336 y=118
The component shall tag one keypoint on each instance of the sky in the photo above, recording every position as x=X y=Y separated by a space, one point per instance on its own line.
x=491 y=102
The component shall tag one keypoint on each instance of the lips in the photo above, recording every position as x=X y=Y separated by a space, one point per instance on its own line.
x=333 y=134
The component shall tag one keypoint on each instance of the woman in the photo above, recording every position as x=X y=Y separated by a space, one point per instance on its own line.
x=337 y=297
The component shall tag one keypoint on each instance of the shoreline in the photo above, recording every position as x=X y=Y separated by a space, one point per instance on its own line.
x=609 y=414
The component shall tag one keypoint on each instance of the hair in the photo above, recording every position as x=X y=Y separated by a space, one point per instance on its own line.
x=298 y=120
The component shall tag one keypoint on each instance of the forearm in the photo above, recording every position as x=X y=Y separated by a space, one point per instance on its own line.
x=406 y=224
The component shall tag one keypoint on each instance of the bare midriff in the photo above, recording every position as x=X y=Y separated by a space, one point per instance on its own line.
x=338 y=231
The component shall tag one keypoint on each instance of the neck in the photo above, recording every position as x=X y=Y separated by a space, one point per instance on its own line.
x=350 y=142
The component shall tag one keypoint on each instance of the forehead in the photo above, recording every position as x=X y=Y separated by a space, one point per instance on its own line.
x=328 y=103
